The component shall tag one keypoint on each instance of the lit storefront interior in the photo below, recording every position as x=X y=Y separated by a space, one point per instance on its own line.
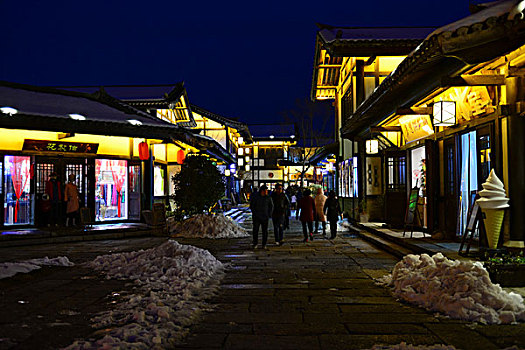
x=452 y=108
x=111 y=148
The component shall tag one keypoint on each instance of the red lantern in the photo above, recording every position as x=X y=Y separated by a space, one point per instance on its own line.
x=143 y=151
x=180 y=156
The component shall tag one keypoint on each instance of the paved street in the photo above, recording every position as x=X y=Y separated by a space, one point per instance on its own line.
x=319 y=295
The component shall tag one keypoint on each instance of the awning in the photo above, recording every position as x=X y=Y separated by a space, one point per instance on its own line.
x=447 y=52
x=324 y=152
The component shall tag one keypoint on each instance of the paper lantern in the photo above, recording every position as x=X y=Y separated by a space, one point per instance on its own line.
x=180 y=156
x=143 y=151
x=444 y=113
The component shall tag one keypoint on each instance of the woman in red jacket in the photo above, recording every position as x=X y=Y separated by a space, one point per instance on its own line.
x=306 y=207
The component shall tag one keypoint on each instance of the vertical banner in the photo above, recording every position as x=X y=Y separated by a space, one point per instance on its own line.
x=374 y=180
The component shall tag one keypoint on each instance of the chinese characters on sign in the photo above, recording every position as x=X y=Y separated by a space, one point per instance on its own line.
x=58 y=146
x=415 y=127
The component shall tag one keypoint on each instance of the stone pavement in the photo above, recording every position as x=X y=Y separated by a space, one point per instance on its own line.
x=322 y=295
x=319 y=295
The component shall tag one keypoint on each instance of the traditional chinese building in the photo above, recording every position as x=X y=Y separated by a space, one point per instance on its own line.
x=453 y=109
x=112 y=149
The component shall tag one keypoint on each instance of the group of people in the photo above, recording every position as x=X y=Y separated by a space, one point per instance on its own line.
x=277 y=207
x=55 y=196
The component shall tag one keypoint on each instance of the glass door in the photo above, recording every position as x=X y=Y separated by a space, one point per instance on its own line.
x=18 y=201
x=111 y=189
x=469 y=176
x=134 y=192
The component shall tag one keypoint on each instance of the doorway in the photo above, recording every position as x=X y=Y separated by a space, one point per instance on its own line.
x=469 y=177
x=450 y=211
x=396 y=187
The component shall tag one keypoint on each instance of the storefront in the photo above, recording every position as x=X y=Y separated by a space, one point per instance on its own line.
x=118 y=160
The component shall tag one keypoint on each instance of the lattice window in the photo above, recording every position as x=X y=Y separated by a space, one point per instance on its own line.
x=79 y=176
x=397 y=174
x=42 y=176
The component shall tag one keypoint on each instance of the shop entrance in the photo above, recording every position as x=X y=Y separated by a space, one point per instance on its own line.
x=450 y=211
x=63 y=167
x=469 y=177
x=396 y=187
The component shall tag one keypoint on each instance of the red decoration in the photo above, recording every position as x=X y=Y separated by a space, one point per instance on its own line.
x=180 y=156
x=19 y=176
x=119 y=176
x=143 y=151
x=270 y=175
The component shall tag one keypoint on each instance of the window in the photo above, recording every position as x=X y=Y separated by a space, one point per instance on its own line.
x=17 y=184
x=42 y=175
x=111 y=183
x=159 y=176
x=396 y=174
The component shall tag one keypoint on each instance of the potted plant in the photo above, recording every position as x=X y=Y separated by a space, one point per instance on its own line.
x=507 y=269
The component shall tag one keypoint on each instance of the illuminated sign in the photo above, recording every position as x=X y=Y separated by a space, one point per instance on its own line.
x=58 y=146
x=415 y=127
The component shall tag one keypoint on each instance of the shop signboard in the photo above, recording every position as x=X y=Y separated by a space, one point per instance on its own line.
x=373 y=176
x=59 y=146
x=415 y=127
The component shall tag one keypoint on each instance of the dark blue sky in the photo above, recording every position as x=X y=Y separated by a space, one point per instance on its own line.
x=244 y=59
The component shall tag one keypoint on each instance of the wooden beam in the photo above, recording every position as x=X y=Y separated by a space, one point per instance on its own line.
x=474 y=80
x=61 y=135
x=375 y=129
x=414 y=110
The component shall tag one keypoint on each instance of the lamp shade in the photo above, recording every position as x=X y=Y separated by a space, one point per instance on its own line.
x=143 y=151
x=444 y=113
x=180 y=156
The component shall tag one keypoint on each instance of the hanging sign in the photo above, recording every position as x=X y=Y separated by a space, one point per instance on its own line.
x=415 y=127
x=59 y=146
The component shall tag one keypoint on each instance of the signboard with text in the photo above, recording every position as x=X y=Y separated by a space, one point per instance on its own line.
x=415 y=127
x=59 y=146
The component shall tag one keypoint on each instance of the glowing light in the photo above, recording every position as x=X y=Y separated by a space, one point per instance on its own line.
x=240 y=151
x=240 y=140
x=227 y=172
x=9 y=110
x=247 y=159
x=77 y=116
x=134 y=122
x=292 y=136
x=247 y=167
x=272 y=137
x=372 y=146
x=444 y=113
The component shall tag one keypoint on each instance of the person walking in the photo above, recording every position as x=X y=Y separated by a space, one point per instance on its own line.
x=306 y=208
x=71 y=197
x=54 y=192
x=333 y=213
x=280 y=212
x=261 y=206
x=319 y=200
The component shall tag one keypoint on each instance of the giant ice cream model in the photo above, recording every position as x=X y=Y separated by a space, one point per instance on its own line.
x=493 y=202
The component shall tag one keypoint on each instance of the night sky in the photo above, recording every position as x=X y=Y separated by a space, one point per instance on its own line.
x=242 y=59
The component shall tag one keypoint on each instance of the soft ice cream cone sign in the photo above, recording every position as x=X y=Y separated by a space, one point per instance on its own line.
x=493 y=203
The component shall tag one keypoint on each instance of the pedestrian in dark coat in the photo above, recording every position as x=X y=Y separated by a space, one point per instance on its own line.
x=333 y=213
x=261 y=206
x=306 y=207
x=281 y=206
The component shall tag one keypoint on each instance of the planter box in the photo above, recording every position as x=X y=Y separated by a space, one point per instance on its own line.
x=508 y=275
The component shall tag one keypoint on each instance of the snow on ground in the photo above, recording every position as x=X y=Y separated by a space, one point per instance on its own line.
x=208 y=226
x=9 y=269
x=459 y=289
x=405 y=346
x=172 y=281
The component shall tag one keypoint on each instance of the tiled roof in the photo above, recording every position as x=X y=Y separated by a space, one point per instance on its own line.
x=448 y=51
x=241 y=127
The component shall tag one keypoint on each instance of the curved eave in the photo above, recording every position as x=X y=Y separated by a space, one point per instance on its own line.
x=442 y=55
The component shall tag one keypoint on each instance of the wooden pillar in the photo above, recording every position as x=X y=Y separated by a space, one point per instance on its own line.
x=359 y=82
x=516 y=146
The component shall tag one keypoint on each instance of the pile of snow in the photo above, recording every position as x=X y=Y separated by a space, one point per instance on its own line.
x=9 y=269
x=405 y=346
x=208 y=226
x=172 y=281
x=459 y=289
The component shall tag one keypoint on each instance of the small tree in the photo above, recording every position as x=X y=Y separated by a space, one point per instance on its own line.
x=198 y=186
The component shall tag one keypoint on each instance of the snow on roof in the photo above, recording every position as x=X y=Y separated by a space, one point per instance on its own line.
x=330 y=34
x=510 y=8
x=277 y=130
x=128 y=92
x=56 y=103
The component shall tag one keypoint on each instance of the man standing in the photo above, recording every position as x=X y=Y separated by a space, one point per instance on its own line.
x=306 y=208
x=280 y=212
x=261 y=206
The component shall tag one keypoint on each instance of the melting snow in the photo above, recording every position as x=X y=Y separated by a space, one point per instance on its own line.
x=9 y=269
x=459 y=289
x=405 y=346
x=208 y=226
x=172 y=281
